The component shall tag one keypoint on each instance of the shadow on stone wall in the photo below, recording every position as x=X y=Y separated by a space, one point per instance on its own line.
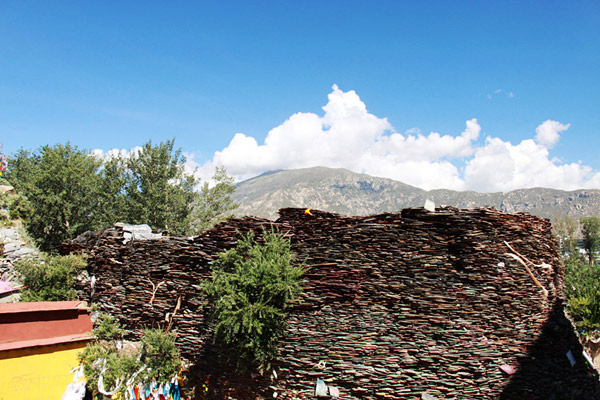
x=546 y=373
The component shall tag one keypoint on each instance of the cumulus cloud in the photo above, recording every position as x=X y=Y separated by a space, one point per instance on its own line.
x=502 y=166
x=306 y=139
x=548 y=133
x=347 y=135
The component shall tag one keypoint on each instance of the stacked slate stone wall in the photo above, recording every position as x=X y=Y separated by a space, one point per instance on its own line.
x=393 y=305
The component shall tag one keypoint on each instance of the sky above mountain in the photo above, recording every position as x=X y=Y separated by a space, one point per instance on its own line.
x=488 y=96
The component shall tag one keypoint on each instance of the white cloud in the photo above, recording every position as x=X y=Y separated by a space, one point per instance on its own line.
x=509 y=94
x=502 y=166
x=348 y=136
x=114 y=153
x=548 y=133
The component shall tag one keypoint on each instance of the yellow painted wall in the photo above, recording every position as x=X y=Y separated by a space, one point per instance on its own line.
x=40 y=373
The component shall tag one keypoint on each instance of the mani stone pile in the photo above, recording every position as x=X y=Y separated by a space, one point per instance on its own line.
x=394 y=305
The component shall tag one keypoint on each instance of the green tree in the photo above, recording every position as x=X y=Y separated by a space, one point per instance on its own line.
x=21 y=170
x=61 y=184
x=590 y=227
x=158 y=191
x=566 y=229
x=214 y=204
x=71 y=191
x=582 y=290
x=251 y=287
x=112 y=196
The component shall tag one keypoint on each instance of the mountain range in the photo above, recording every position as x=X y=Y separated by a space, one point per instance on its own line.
x=344 y=192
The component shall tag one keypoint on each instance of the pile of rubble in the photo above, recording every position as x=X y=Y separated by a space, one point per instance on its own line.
x=13 y=248
x=455 y=303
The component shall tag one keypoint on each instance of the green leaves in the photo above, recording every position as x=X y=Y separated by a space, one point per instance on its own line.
x=51 y=278
x=158 y=353
x=582 y=290
x=590 y=227
x=71 y=191
x=61 y=184
x=251 y=287
x=66 y=192
x=159 y=192
x=214 y=204
x=566 y=229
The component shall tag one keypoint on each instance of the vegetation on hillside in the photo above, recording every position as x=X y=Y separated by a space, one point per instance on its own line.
x=18 y=207
x=590 y=227
x=252 y=286
x=582 y=273
x=214 y=204
x=582 y=289
x=60 y=182
x=49 y=278
x=66 y=191
x=63 y=191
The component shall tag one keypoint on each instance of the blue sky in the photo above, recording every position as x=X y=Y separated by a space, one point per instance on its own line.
x=113 y=75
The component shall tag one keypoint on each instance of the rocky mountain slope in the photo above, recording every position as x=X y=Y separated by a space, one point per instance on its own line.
x=345 y=192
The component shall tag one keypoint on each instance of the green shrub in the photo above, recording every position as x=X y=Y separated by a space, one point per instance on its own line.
x=5 y=221
x=119 y=364
x=107 y=327
x=158 y=353
x=50 y=278
x=582 y=289
x=20 y=207
x=251 y=287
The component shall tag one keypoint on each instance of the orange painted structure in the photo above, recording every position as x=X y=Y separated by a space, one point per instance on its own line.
x=39 y=344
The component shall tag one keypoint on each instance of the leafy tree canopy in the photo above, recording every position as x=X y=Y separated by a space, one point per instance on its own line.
x=566 y=229
x=590 y=227
x=214 y=204
x=71 y=191
x=158 y=191
x=61 y=184
x=582 y=290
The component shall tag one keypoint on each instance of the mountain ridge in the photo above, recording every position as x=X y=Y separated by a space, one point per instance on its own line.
x=344 y=192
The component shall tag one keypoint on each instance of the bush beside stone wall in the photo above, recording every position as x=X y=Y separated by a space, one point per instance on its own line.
x=393 y=304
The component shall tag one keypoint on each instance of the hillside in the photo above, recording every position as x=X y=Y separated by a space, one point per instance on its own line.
x=345 y=192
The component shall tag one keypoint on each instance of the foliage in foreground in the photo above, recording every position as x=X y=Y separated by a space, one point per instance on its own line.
x=158 y=353
x=251 y=287
x=582 y=289
x=50 y=278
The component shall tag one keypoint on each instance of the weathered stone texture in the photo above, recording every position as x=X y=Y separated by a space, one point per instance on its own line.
x=393 y=304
